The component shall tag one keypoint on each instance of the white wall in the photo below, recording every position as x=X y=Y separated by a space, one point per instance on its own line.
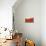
x=43 y=22
x=23 y=27
x=6 y=13
x=29 y=8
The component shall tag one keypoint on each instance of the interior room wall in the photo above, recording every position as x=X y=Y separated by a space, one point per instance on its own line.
x=6 y=13
x=43 y=22
x=27 y=9
x=6 y=16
